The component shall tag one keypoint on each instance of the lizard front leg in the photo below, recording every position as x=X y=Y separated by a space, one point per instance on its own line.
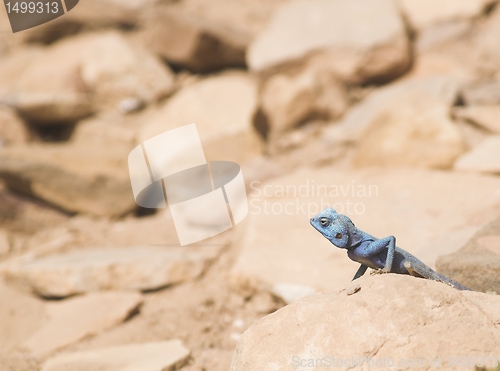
x=361 y=270
x=377 y=246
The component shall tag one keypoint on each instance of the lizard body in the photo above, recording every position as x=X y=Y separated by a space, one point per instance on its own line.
x=371 y=252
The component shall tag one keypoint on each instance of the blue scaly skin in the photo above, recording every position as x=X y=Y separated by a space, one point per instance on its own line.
x=380 y=254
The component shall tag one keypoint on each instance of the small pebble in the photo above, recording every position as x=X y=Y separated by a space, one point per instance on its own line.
x=129 y=105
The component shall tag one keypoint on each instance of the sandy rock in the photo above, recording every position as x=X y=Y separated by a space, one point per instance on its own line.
x=91 y=269
x=415 y=131
x=351 y=127
x=435 y=64
x=159 y=356
x=477 y=264
x=426 y=13
x=156 y=229
x=247 y=17
x=23 y=214
x=485 y=116
x=279 y=248
x=195 y=44
x=192 y=35
x=49 y=89
x=222 y=107
x=20 y=316
x=481 y=93
x=433 y=36
x=377 y=50
x=70 y=177
x=48 y=108
x=483 y=158
x=48 y=93
x=4 y=243
x=484 y=46
x=71 y=320
x=108 y=57
x=75 y=76
x=289 y=101
x=473 y=135
x=114 y=130
x=13 y=64
x=341 y=330
x=12 y=128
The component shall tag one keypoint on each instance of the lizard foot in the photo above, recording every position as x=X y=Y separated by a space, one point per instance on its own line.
x=378 y=271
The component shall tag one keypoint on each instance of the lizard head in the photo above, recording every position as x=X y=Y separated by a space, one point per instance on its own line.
x=334 y=226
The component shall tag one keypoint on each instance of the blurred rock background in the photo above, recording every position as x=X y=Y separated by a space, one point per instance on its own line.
x=399 y=95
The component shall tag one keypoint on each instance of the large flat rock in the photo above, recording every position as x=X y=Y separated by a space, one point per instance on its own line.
x=23 y=214
x=485 y=157
x=477 y=263
x=71 y=177
x=486 y=116
x=20 y=316
x=377 y=49
x=12 y=128
x=360 y=117
x=71 y=320
x=415 y=130
x=159 y=356
x=423 y=209
x=78 y=75
x=388 y=321
x=93 y=269
x=222 y=107
x=426 y=13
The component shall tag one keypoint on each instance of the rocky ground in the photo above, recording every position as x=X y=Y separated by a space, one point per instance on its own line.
x=388 y=111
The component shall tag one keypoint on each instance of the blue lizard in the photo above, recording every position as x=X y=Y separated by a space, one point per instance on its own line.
x=380 y=254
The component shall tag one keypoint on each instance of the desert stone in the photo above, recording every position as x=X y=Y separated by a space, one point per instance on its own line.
x=300 y=28
x=71 y=177
x=71 y=320
x=414 y=131
x=4 y=243
x=12 y=127
x=159 y=356
x=425 y=13
x=484 y=116
x=51 y=91
x=482 y=92
x=78 y=75
x=371 y=326
x=93 y=269
x=107 y=57
x=477 y=263
x=196 y=44
x=20 y=316
x=358 y=118
x=23 y=214
x=485 y=157
x=289 y=101
x=222 y=107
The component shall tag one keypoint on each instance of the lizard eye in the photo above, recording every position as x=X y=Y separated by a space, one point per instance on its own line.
x=324 y=222
x=338 y=236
